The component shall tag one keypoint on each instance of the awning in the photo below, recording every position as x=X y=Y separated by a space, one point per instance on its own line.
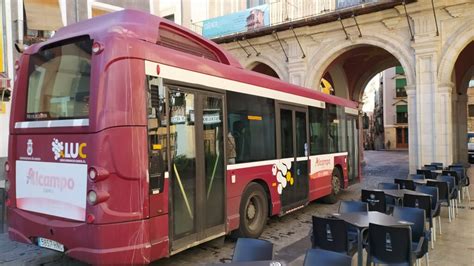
x=402 y=108
x=99 y=12
x=43 y=14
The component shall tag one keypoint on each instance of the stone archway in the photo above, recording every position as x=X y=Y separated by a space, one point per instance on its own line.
x=324 y=56
x=386 y=52
x=456 y=78
x=277 y=67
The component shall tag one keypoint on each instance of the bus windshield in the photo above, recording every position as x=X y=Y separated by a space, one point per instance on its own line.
x=59 y=81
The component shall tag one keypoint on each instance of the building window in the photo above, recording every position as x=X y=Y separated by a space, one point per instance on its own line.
x=252 y=125
x=400 y=87
x=402 y=114
x=399 y=70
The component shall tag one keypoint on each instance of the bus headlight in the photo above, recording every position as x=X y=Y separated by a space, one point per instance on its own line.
x=92 y=197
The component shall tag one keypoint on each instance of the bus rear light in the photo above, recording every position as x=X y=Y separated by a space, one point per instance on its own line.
x=158 y=69
x=90 y=218
x=97 y=48
x=94 y=198
x=97 y=174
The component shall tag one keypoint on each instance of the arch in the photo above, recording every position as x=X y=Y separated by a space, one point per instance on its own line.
x=323 y=57
x=367 y=77
x=278 y=67
x=453 y=47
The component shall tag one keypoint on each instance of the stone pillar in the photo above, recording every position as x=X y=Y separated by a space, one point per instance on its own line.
x=431 y=128
x=460 y=128
x=297 y=65
x=443 y=124
x=412 y=129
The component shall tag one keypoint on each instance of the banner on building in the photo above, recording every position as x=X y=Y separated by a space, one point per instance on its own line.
x=246 y=20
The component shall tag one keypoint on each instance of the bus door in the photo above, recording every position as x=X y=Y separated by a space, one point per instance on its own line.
x=196 y=130
x=293 y=149
x=353 y=147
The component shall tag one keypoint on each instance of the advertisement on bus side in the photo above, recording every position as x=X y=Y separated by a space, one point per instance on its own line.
x=57 y=189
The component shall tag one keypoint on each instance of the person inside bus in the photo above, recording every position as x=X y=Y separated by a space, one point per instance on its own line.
x=238 y=132
x=231 y=153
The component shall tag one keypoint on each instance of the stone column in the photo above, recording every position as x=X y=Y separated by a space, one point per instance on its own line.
x=460 y=128
x=443 y=124
x=431 y=126
x=412 y=129
x=297 y=65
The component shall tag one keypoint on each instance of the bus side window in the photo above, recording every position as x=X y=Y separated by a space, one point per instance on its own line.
x=157 y=135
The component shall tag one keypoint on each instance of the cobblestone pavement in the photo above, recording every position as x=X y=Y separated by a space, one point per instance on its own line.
x=289 y=234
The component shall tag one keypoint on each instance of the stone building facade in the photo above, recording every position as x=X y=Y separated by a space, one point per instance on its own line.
x=395 y=109
x=434 y=49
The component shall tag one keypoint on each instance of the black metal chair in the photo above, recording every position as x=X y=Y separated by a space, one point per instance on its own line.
x=375 y=199
x=457 y=173
x=430 y=167
x=249 y=249
x=435 y=206
x=384 y=185
x=405 y=183
x=439 y=166
x=443 y=193
x=416 y=177
x=419 y=234
x=332 y=234
x=452 y=192
x=353 y=206
x=391 y=201
x=420 y=202
x=427 y=173
x=390 y=245
x=464 y=180
x=326 y=257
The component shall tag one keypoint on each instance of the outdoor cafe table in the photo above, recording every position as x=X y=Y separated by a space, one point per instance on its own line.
x=399 y=193
x=361 y=221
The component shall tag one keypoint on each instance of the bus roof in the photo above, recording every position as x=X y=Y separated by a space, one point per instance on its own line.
x=149 y=28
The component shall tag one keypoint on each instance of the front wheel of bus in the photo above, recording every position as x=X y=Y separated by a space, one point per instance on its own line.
x=253 y=211
x=336 y=179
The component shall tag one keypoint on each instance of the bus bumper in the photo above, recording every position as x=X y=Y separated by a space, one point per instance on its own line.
x=118 y=243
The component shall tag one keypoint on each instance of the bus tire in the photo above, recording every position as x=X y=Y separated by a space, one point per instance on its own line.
x=253 y=211
x=336 y=184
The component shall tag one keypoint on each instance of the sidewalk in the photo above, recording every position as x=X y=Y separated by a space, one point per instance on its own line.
x=14 y=253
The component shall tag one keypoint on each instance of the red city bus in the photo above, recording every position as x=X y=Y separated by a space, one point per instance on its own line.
x=132 y=139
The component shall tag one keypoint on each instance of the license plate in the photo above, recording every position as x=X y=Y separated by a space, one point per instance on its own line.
x=51 y=244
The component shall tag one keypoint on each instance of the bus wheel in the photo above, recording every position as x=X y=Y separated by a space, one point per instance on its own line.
x=253 y=211
x=336 y=180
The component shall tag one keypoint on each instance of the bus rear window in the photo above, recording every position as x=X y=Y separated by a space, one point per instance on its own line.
x=59 y=81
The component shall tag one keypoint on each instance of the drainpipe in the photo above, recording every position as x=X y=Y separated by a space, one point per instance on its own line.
x=20 y=22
